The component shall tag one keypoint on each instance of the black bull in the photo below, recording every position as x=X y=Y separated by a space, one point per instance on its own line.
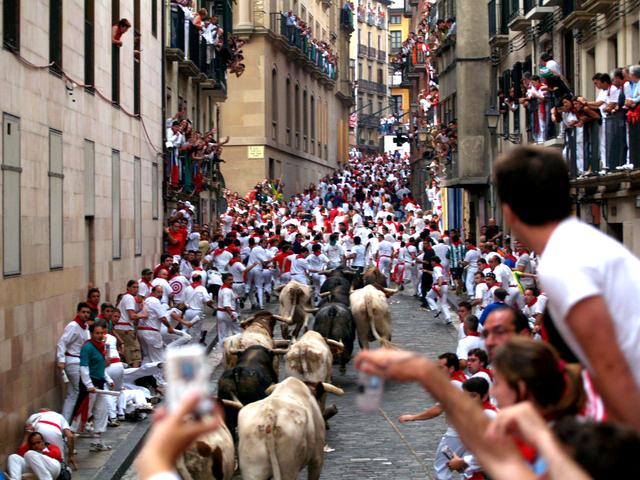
x=334 y=321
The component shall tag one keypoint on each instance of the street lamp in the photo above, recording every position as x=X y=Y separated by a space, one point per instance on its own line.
x=493 y=117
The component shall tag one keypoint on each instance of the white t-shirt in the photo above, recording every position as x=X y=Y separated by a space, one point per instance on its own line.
x=197 y=297
x=166 y=289
x=359 y=259
x=581 y=262
x=468 y=343
x=126 y=303
x=179 y=285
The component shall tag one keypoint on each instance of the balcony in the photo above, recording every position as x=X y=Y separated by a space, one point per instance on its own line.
x=418 y=63
x=598 y=6
x=373 y=87
x=300 y=48
x=361 y=17
x=534 y=10
x=381 y=24
x=517 y=21
x=362 y=50
x=186 y=47
x=498 y=34
x=575 y=16
x=382 y=56
x=371 y=52
x=371 y=19
x=346 y=20
x=369 y=120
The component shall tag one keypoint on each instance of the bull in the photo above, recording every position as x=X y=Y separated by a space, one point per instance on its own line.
x=372 y=316
x=282 y=434
x=257 y=330
x=247 y=382
x=295 y=307
x=211 y=456
x=334 y=321
x=310 y=359
x=373 y=276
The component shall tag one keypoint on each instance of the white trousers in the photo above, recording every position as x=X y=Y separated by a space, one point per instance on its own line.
x=384 y=265
x=175 y=339
x=284 y=278
x=44 y=468
x=73 y=387
x=604 y=161
x=440 y=463
x=226 y=326
x=100 y=410
x=440 y=302
x=194 y=317
x=317 y=280
x=151 y=345
x=116 y=372
x=256 y=284
x=51 y=435
x=300 y=278
x=515 y=298
x=470 y=281
x=267 y=277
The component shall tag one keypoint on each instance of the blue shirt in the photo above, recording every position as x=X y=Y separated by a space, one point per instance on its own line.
x=488 y=309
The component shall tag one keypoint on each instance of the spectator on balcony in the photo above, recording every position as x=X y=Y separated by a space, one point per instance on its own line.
x=631 y=106
x=451 y=26
x=546 y=60
x=536 y=100
x=616 y=125
x=573 y=150
x=210 y=35
x=292 y=25
x=118 y=30
x=606 y=100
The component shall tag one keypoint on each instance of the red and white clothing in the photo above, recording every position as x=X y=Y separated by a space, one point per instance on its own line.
x=144 y=288
x=467 y=343
x=149 y=331
x=51 y=425
x=179 y=285
x=227 y=323
x=385 y=254
x=437 y=296
x=45 y=465
x=299 y=268
x=73 y=337
x=166 y=288
x=196 y=298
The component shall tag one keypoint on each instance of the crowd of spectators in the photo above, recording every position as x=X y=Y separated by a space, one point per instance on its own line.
x=217 y=49
x=192 y=155
x=301 y=35
x=372 y=14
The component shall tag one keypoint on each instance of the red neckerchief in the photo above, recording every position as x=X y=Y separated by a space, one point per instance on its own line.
x=100 y=346
x=535 y=300
x=82 y=324
x=473 y=334
x=487 y=405
x=438 y=265
x=196 y=284
x=299 y=256
x=234 y=260
x=94 y=306
x=471 y=247
x=218 y=251
x=523 y=251
x=317 y=253
x=459 y=376
x=148 y=284
x=456 y=244
x=225 y=286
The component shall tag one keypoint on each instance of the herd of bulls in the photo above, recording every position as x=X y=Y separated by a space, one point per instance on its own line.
x=279 y=428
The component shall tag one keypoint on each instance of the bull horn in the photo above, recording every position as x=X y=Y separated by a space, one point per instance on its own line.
x=279 y=351
x=332 y=343
x=390 y=291
x=310 y=310
x=231 y=403
x=271 y=388
x=282 y=319
x=282 y=343
x=332 y=389
x=279 y=288
x=324 y=294
x=247 y=321
x=348 y=270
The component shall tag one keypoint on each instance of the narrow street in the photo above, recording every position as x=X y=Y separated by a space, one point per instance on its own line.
x=365 y=445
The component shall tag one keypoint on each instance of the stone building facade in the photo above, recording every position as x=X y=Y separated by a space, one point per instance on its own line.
x=81 y=176
x=286 y=115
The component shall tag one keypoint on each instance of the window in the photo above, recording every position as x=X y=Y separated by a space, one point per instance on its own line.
x=55 y=35
x=115 y=204
x=155 y=189
x=297 y=119
x=379 y=42
x=56 y=177
x=395 y=20
x=89 y=178
x=305 y=121
x=137 y=37
x=137 y=205
x=89 y=49
x=380 y=78
x=369 y=74
x=312 y=117
x=288 y=106
x=154 y=18
x=369 y=39
x=272 y=169
x=11 y=26
x=274 y=104
x=395 y=40
x=396 y=103
x=11 y=171
x=115 y=56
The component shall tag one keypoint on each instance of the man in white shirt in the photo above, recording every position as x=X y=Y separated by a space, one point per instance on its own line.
x=437 y=296
x=161 y=280
x=73 y=337
x=471 y=340
x=317 y=262
x=178 y=284
x=260 y=256
x=54 y=428
x=471 y=262
x=504 y=276
x=334 y=251
x=384 y=256
x=480 y=296
x=299 y=266
x=130 y=313
x=149 y=334
x=592 y=281
x=196 y=298
x=226 y=312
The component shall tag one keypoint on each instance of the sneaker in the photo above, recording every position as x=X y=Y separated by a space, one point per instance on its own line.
x=627 y=166
x=604 y=171
x=121 y=418
x=99 y=447
x=437 y=314
x=113 y=422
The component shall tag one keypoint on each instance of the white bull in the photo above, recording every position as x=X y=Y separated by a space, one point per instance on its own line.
x=257 y=330
x=295 y=307
x=282 y=434
x=371 y=315
x=210 y=456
